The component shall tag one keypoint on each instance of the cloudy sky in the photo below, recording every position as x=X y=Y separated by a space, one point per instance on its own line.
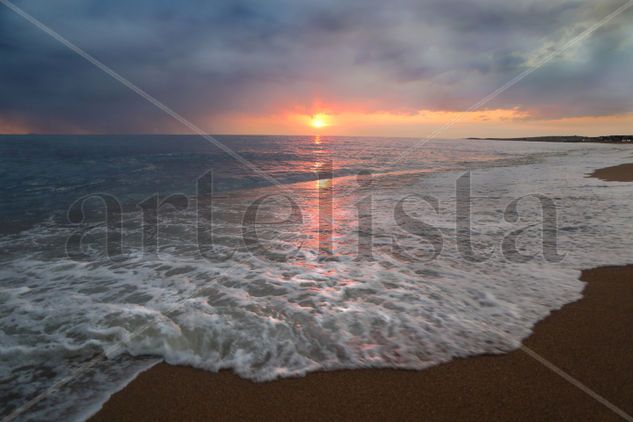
x=401 y=67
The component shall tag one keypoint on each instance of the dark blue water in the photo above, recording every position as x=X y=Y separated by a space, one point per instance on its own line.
x=41 y=176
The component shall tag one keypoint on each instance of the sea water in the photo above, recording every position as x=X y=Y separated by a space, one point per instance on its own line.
x=315 y=279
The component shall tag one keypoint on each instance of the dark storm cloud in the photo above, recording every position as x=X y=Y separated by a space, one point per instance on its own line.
x=203 y=58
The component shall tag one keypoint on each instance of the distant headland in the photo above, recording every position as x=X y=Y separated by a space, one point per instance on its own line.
x=608 y=139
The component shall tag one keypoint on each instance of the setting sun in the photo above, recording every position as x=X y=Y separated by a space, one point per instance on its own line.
x=319 y=120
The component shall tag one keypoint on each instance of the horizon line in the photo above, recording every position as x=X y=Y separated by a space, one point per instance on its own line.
x=308 y=135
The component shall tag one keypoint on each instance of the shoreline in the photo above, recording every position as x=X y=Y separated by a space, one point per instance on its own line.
x=619 y=173
x=589 y=339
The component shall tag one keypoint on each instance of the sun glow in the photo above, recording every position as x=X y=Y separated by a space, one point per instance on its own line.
x=319 y=120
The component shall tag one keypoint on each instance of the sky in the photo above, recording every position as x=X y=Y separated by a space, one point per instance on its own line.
x=362 y=67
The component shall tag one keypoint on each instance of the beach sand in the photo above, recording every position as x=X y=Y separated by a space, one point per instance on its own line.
x=591 y=340
x=621 y=173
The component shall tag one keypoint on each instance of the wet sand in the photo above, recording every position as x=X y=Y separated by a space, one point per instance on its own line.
x=621 y=173
x=591 y=340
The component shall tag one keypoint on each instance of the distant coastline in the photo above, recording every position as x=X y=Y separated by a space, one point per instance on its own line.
x=608 y=139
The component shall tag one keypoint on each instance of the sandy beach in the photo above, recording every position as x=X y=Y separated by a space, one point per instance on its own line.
x=620 y=173
x=590 y=340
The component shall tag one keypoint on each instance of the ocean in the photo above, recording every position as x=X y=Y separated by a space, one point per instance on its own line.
x=118 y=252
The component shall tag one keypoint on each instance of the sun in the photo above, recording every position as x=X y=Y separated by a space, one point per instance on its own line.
x=319 y=120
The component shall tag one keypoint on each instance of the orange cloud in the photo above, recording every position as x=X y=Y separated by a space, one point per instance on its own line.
x=512 y=122
x=357 y=122
x=12 y=127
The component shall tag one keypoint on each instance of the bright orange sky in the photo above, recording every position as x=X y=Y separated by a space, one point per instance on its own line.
x=488 y=123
